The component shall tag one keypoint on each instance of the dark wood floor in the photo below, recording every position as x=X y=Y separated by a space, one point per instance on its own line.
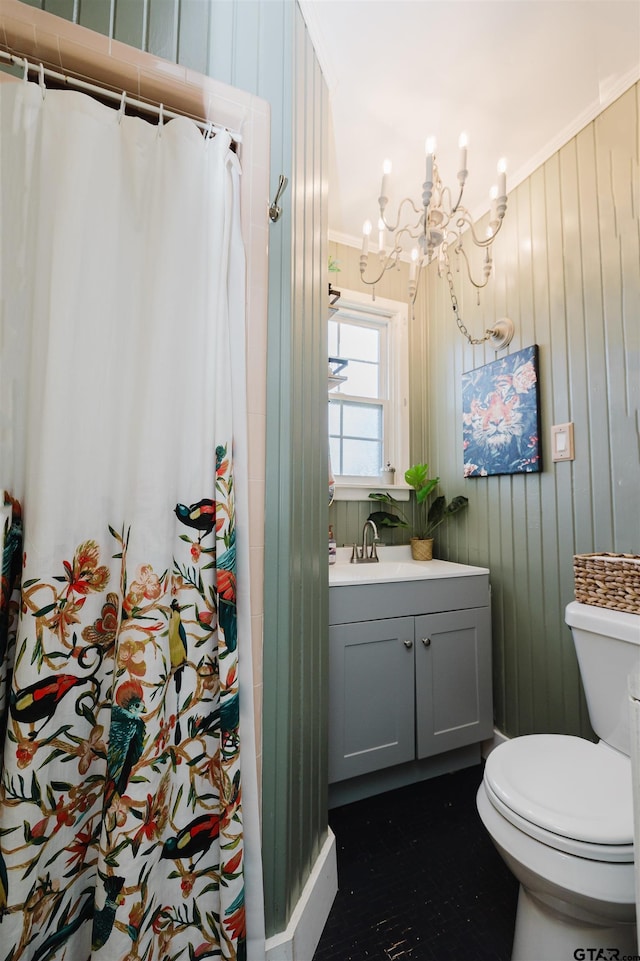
x=419 y=879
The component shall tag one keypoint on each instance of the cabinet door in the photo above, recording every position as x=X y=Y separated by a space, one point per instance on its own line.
x=371 y=696
x=453 y=680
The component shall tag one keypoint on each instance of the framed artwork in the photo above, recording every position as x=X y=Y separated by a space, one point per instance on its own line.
x=501 y=416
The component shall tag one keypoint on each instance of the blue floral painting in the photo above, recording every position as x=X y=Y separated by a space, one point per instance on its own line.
x=501 y=416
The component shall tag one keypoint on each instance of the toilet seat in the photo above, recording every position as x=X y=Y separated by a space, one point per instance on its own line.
x=565 y=791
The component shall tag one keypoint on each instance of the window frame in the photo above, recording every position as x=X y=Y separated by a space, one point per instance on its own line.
x=392 y=317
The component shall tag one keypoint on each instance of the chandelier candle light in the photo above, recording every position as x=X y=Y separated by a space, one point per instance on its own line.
x=433 y=228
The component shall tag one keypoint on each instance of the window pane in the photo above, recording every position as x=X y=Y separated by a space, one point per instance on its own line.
x=362 y=343
x=362 y=379
x=334 y=449
x=362 y=421
x=333 y=339
x=362 y=457
x=334 y=418
x=372 y=396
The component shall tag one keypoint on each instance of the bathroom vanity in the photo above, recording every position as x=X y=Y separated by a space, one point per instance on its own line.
x=409 y=671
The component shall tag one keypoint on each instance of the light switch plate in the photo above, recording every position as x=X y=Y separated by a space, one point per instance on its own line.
x=562 y=442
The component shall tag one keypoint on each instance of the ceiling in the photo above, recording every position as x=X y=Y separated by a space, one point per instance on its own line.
x=520 y=77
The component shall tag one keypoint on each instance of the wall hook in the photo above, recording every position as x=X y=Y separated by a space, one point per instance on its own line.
x=274 y=209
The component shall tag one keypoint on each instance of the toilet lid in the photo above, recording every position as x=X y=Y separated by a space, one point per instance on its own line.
x=565 y=785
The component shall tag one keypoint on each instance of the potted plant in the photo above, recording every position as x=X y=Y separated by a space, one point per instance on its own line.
x=428 y=519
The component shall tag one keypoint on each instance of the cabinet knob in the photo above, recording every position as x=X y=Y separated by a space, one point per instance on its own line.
x=426 y=641
x=408 y=645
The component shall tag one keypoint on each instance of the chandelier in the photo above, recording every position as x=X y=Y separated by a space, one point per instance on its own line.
x=435 y=228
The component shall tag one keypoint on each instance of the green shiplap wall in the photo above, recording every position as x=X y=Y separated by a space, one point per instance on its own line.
x=567 y=271
x=263 y=47
x=296 y=573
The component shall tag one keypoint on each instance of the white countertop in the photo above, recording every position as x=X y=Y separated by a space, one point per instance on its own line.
x=395 y=564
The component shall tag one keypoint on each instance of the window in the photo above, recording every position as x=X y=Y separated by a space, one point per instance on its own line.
x=368 y=413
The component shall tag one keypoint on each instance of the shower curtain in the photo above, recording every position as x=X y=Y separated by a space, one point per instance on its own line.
x=121 y=392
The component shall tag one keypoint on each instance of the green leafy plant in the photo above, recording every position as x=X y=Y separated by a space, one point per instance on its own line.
x=428 y=519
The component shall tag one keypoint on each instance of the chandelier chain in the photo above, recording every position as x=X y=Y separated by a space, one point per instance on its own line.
x=474 y=341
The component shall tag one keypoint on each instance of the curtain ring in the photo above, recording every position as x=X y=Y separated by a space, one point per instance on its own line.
x=41 y=80
x=208 y=133
x=123 y=102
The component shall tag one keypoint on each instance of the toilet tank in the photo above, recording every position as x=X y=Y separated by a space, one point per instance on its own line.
x=608 y=647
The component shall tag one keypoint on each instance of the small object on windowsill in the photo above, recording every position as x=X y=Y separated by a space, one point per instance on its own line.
x=389 y=475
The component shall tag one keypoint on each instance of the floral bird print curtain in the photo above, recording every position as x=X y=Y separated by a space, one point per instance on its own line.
x=121 y=808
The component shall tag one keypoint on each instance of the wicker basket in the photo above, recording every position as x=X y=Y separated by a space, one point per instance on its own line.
x=422 y=550
x=608 y=580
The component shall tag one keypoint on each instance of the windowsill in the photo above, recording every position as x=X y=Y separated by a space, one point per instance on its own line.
x=360 y=491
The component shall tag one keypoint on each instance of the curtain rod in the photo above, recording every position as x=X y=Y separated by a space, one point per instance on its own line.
x=160 y=111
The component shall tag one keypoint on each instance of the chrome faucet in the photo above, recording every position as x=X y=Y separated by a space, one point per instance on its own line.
x=359 y=555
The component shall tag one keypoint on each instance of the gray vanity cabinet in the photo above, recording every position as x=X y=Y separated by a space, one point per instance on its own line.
x=411 y=686
x=371 y=677
x=453 y=680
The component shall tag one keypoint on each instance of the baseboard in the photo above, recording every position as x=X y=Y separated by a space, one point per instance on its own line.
x=300 y=939
x=392 y=778
x=488 y=746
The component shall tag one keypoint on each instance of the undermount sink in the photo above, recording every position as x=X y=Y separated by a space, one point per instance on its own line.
x=395 y=564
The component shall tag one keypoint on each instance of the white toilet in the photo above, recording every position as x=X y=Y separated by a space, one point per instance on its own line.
x=559 y=808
